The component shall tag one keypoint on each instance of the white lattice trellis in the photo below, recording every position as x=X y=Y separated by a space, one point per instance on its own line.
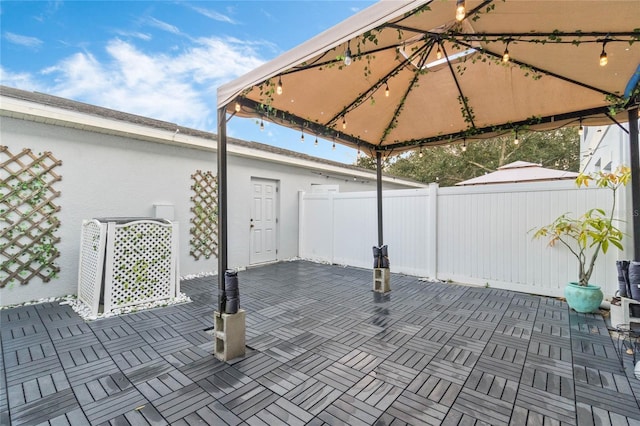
x=139 y=258
x=92 y=243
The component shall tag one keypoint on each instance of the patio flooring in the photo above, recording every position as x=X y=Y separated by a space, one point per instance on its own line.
x=322 y=349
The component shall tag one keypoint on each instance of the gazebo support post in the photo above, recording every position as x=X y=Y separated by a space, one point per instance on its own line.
x=381 y=273
x=229 y=327
x=635 y=178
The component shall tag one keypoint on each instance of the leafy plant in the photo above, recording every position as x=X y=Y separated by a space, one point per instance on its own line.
x=594 y=231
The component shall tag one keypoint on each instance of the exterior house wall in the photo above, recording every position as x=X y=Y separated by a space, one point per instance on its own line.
x=107 y=175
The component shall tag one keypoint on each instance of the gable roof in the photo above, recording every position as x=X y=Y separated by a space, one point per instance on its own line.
x=104 y=120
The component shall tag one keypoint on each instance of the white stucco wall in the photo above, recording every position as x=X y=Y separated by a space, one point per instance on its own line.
x=105 y=175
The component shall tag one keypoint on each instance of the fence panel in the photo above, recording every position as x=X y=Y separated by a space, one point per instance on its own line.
x=478 y=235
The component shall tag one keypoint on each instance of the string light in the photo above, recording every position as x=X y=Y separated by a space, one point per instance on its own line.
x=386 y=90
x=580 y=129
x=347 y=54
x=333 y=147
x=420 y=154
x=237 y=107
x=261 y=125
x=505 y=55
x=344 y=123
x=301 y=137
x=279 y=87
x=439 y=53
x=460 y=10
x=603 y=56
x=516 y=141
x=464 y=145
x=316 y=142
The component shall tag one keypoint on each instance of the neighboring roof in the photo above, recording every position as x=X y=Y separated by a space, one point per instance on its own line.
x=419 y=77
x=103 y=120
x=519 y=171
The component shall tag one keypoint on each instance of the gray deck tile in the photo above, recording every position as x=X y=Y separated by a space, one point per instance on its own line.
x=417 y=410
x=182 y=402
x=323 y=349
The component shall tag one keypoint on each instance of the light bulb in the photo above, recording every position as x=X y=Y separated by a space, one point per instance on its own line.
x=505 y=55
x=439 y=53
x=464 y=146
x=603 y=58
x=580 y=130
x=279 y=87
x=302 y=137
x=460 y=10
x=261 y=125
x=347 y=55
x=386 y=91
x=344 y=123
x=516 y=141
x=420 y=154
x=237 y=107
x=316 y=142
x=333 y=147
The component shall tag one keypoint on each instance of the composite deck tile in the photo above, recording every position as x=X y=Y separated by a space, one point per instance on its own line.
x=339 y=376
x=42 y=409
x=313 y=396
x=506 y=369
x=360 y=360
x=417 y=410
x=375 y=392
x=182 y=402
x=349 y=411
x=34 y=389
x=483 y=407
x=282 y=380
x=223 y=381
x=31 y=370
x=447 y=370
x=608 y=400
x=394 y=373
x=135 y=357
x=257 y=365
x=548 y=404
x=323 y=349
x=91 y=371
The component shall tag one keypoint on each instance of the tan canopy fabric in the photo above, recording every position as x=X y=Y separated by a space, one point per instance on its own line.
x=419 y=77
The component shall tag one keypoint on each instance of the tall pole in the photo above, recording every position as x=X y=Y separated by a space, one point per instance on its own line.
x=222 y=205
x=635 y=178
x=379 y=195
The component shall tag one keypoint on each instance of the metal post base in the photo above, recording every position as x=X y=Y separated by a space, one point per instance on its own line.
x=229 y=335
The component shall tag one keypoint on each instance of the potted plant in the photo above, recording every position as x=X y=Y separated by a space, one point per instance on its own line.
x=587 y=236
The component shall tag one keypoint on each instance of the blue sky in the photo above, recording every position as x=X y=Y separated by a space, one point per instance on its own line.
x=161 y=59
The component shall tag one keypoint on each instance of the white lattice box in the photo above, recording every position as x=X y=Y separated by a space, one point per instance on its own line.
x=127 y=261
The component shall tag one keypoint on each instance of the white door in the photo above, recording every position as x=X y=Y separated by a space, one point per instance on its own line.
x=264 y=222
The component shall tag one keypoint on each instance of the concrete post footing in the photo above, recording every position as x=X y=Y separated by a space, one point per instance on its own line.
x=381 y=280
x=229 y=335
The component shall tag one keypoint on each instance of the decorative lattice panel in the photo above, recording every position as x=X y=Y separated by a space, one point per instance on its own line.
x=92 y=240
x=204 y=222
x=27 y=215
x=141 y=264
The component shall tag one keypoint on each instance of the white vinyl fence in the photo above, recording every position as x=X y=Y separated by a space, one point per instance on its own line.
x=476 y=235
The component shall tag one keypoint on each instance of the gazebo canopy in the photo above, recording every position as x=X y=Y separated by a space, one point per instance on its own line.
x=519 y=171
x=420 y=77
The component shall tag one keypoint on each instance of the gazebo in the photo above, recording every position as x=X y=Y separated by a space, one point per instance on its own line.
x=401 y=75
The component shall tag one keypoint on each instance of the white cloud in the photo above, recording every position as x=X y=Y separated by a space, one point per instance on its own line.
x=175 y=86
x=134 y=34
x=24 y=81
x=163 y=26
x=26 y=41
x=212 y=14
